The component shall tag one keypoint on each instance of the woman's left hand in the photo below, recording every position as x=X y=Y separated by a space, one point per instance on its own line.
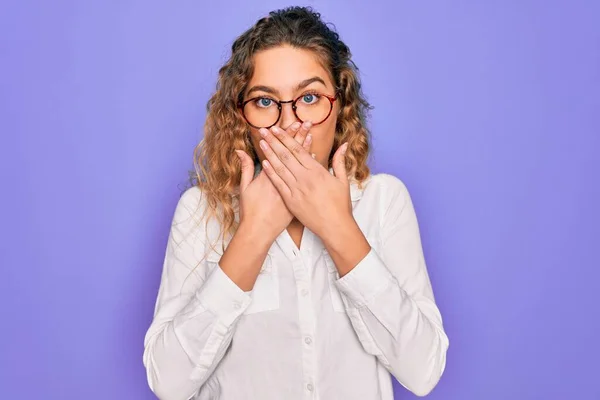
x=319 y=200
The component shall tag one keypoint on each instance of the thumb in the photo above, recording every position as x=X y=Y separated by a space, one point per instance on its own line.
x=247 y=169
x=339 y=163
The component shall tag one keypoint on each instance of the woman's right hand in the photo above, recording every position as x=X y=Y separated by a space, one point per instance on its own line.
x=261 y=205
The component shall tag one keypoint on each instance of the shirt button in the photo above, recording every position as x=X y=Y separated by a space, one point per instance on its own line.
x=310 y=387
x=307 y=340
x=304 y=292
x=236 y=305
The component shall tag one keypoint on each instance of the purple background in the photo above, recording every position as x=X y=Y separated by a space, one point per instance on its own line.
x=489 y=112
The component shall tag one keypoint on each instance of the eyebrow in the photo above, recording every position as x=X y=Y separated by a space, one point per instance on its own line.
x=301 y=85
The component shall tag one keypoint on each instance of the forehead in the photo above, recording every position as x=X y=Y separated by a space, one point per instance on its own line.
x=284 y=67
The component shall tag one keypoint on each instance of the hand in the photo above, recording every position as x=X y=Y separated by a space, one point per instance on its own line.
x=261 y=205
x=318 y=199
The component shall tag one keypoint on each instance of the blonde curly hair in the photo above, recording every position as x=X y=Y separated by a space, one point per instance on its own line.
x=217 y=169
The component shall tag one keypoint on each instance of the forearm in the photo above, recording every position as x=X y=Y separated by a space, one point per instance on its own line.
x=396 y=323
x=406 y=335
x=346 y=244
x=178 y=358
x=244 y=256
x=189 y=335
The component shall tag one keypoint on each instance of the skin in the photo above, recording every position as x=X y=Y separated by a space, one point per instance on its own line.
x=293 y=189
x=282 y=69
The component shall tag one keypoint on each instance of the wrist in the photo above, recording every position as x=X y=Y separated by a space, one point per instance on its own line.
x=244 y=256
x=336 y=229
x=347 y=245
x=255 y=234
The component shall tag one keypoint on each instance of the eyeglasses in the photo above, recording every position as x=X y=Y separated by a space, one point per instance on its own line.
x=265 y=112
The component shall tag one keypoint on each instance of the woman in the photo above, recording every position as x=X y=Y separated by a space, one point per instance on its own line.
x=290 y=271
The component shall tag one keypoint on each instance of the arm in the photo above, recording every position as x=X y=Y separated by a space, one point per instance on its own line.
x=390 y=299
x=392 y=307
x=196 y=311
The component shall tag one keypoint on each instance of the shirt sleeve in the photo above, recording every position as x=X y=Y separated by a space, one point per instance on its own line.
x=195 y=313
x=390 y=300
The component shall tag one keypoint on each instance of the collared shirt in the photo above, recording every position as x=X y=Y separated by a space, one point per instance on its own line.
x=302 y=332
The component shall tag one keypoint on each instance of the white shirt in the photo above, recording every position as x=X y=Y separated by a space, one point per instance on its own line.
x=302 y=332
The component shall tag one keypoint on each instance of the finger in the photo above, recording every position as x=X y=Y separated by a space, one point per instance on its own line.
x=307 y=142
x=303 y=131
x=277 y=164
x=301 y=135
x=339 y=163
x=288 y=150
x=247 y=169
x=280 y=185
x=292 y=130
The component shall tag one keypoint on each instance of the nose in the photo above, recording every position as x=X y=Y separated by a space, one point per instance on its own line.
x=287 y=116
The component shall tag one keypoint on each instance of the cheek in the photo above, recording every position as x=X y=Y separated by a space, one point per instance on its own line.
x=254 y=136
x=331 y=129
x=323 y=136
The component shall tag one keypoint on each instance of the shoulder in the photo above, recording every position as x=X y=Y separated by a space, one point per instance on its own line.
x=192 y=194
x=194 y=217
x=190 y=197
x=189 y=205
x=388 y=181
x=387 y=186
x=385 y=192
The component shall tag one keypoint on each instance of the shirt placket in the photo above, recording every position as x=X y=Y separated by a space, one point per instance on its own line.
x=305 y=310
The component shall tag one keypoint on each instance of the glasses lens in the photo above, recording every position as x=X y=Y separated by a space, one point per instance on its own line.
x=262 y=112
x=313 y=107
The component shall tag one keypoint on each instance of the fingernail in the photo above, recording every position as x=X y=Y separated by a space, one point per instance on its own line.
x=307 y=125
x=263 y=144
x=313 y=155
x=344 y=148
x=263 y=132
x=295 y=126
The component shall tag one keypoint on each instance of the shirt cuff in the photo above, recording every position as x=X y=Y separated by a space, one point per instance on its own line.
x=365 y=281
x=221 y=296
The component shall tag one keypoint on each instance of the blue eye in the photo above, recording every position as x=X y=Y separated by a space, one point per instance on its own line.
x=309 y=98
x=264 y=102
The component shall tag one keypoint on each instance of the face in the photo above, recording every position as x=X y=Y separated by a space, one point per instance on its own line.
x=286 y=73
